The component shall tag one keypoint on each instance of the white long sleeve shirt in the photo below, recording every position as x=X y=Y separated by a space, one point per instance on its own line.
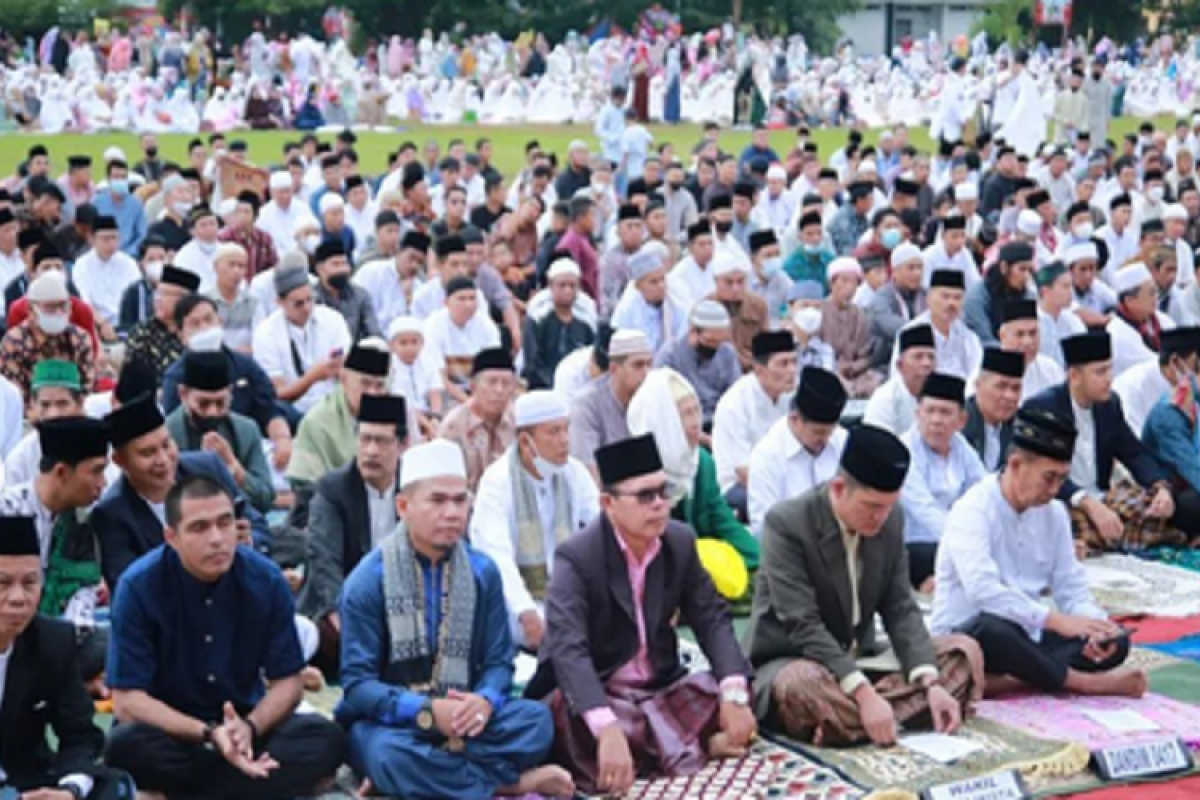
x=892 y=407
x=995 y=560
x=1140 y=388
x=959 y=352
x=934 y=483
x=101 y=283
x=781 y=468
x=743 y=417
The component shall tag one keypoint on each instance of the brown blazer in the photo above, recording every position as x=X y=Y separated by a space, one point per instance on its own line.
x=591 y=630
x=802 y=600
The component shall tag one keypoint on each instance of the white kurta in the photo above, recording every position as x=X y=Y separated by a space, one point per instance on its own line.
x=743 y=416
x=936 y=258
x=197 y=258
x=444 y=339
x=417 y=380
x=323 y=336
x=101 y=283
x=1140 y=388
x=892 y=407
x=1128 y=348
x=380 y=280
x=661 y=325
x=12 y=415
x=282 y=226
x=688 y=284
x=1024 y=127
x=781 y=468
x=934 y=483
x=995 y=560
x=959 y=352
x=1052 y=331
x=1039 y=375
x=493 y=527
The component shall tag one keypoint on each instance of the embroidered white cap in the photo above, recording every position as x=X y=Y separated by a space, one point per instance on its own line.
x=436 y=459
x=536 y=407
x=280 y=180
x=725 y=262
x=1174 y=211
x=1084 y=251
x=628 y=342
x=563 y=268
x=906 y=252
x=1029 y=222
x=405 y=324
x=1130 y=277
x=49 y=287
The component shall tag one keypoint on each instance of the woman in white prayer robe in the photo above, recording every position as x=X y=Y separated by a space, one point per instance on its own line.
x=56 y=114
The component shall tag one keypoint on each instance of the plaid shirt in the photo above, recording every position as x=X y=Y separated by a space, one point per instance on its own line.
x=25 y=345
x=260 y=250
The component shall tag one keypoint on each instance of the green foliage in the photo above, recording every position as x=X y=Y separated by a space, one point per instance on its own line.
x=34 y=17
x=1006 y=21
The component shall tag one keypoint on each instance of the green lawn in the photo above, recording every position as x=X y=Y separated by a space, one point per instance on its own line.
x=509 y=141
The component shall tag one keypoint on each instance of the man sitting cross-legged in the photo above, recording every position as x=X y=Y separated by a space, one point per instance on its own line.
x=1006 y=544
x=205 y=665
x=832 y=558
x=427 y=655
x=625 y=708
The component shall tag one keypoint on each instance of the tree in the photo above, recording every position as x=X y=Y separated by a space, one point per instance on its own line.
x=1006 y=21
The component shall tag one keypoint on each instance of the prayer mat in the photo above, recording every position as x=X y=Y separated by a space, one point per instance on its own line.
x=322 y=702
x=1128 y=586
x=1148 y=659
x=1160 y=630
x=1179 y=682
x=1066 y=717
x=1185 y=557
x=1186 y=649
x=897 y=769
x=1179 y=789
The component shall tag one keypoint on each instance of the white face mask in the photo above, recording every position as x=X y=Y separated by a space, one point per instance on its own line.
x=208 y=340
x=53 y=324
x=311 y=242
x=1155 y=193
x=207 y=248
x=154 y=272
x=772 y=267
x=181 y=208
x=546 y=469
x=808 y=320
x=1083 y=230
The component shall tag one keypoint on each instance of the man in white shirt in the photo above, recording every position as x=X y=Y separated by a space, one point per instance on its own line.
x=11 y=263
x=801 y=450
x=1020 y=332
x=1007 y=545
x=646 y=304
x=1120 y=235
x=1056 y=320
x=1175 y=222
x=301 y=346
x=528 y=502
x=1143 y=386
x=943 y=468
x=199 y=255
x=749 y=409
x=959 y=351
x=284 y=218
x=691 y=280
x=103 y=273
x=393 y=282
x=1137 y=324
x=893 y=406
x=951 y=253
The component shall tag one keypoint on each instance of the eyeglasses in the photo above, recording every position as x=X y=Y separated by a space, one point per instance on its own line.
x=647 y=497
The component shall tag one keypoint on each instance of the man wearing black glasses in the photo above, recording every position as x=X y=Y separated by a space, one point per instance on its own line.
x=610 y=659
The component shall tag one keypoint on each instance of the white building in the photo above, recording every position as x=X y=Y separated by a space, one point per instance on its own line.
x=878 y=26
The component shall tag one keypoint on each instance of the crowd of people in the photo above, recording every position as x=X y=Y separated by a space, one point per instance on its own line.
x=160 y=80
x=389 y=431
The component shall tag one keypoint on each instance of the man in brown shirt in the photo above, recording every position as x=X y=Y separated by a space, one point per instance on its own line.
x=484 y=426
x=748 y=313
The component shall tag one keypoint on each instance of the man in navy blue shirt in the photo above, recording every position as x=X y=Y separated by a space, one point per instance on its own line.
x=759 y=147
x=205 y=665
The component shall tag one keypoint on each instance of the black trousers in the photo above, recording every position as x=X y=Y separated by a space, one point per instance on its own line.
x=308 y=747
x=1187 y=513
x=1008 y=650
x=739 y=501
x=922 y=556
x=110 y=784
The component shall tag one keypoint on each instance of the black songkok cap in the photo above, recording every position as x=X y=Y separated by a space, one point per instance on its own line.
x=1045 y=433
x=876 y=458
x=628 y=458
x=821 y=397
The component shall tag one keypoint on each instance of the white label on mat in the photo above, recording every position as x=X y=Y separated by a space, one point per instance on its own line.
x=1123 y=720
x=1156 y=757
x=940 y=747
x=997 y=786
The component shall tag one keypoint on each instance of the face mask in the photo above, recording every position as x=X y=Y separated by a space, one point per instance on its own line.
x=772 y=267
x=205 y=425
x=1083 y=230
x=723 y=227
x=545 y=468
x=53 y=324
x=340 y=282
x=151 y=153
x=705 y=352
x=1155 y=193
x=812 y=249
x=118 y=187
x=675 y=185
x=181 y=208
x=890 y=238
x=808 y=320
x=311 y=242
x=599 y=187
x=154 y=272
x=208 y=340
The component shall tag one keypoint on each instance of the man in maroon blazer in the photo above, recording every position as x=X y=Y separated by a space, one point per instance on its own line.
x=624 y=708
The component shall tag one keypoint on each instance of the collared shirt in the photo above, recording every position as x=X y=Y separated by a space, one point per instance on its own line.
x=199 y=257
x=711 y=378
x=130 y=217
x=354 y=304
x=391 y=296
x=456 y=346
x=416 y=381
x=782 y=468
x=994 y=559
x=152 y=343
x=959 y=352
x=936 y=258
x=194 y=646
x=1084 y=470
x=25 y=345
x=688 y=283
x=584 y=254
x=743 y=417
x=101 y=283
x=1053 y=330
x=382 y=509
x=934 y=483
x=239 y=318
x=892 y=406
x=260 y=249
x=1140 y=389
x=1040 y=374
x=285 y=351
x=597 y=419
x=481 y=442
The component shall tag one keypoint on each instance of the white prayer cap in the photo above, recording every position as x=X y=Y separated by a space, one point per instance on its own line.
x=280 y=180
x=1048 y=150
x=439 y=458
x=1174 y=211
x=227 y=249
x=777 y=173
x=726 y=262
x=331 y=202
x=629 y=342
x=1029 y=222
x=1084 y=251
x=1195 y=120
x=577 y=144
x=709 y=314
x=653 y=256
x=966 y=191
x=843 y=266
x=536 y=407
x=906 y=252
x=563 y=268
x=1129 y=278
x=227 y=207
x=172 y=183
x=405 y=324
x=114 y=154
x=886 y=136
x=50 y=287
x=867 y=165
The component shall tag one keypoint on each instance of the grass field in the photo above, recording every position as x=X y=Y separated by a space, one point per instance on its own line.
x=373 y=148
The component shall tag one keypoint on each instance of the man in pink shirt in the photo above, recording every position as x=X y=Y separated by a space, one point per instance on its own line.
x=624 y=708
x=578 y=242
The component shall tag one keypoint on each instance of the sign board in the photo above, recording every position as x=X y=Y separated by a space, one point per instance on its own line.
x=1006 y=785
x=1147 y=759
x=1052 y=12
x=237 y=177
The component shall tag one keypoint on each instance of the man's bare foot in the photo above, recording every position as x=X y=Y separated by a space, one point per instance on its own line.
x=997 y=685
x=151 y=796
x=719 y=747
x=313 y=680
x=1117 y=683
x=548 y=781
x=927 y=586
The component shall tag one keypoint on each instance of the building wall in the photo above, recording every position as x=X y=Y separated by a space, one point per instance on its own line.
x=868 y=27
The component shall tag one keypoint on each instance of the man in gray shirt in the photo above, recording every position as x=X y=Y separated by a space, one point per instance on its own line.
x=704 y=356
x=680 y=205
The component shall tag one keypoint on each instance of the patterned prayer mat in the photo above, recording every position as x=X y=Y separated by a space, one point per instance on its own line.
x=1185 y=557
x=1128 y=586
x=1041 y=761
x=1149 y=658
x=1179 y=681
x=1160 y=630
x=1066 y=717
x=1186 y=649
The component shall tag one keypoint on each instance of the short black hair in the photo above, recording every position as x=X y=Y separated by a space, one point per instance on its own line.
x=193 y=487
x=189 y=303
x=580 y=207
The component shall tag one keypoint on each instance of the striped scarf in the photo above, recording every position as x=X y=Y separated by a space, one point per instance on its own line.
x=531 y=543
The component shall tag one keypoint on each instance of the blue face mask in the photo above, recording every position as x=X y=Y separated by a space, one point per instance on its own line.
x=119 y=186
x=890 y=238
x=772 y=267
x=812 y=249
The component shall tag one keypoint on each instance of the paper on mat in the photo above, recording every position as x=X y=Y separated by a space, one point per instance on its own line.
x=1108 y=576
x=524 y=668
x=940 y=747
x=1124 y=720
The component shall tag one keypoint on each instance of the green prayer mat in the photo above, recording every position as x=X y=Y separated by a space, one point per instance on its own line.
x=1180 y=681
x=1185 y=557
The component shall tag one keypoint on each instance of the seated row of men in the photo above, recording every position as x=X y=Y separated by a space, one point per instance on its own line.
x=205 y=657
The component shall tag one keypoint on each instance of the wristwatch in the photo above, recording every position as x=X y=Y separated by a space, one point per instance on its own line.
x=425 y=716
x=72 y=789
x=206 y=738
x=737 y=696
